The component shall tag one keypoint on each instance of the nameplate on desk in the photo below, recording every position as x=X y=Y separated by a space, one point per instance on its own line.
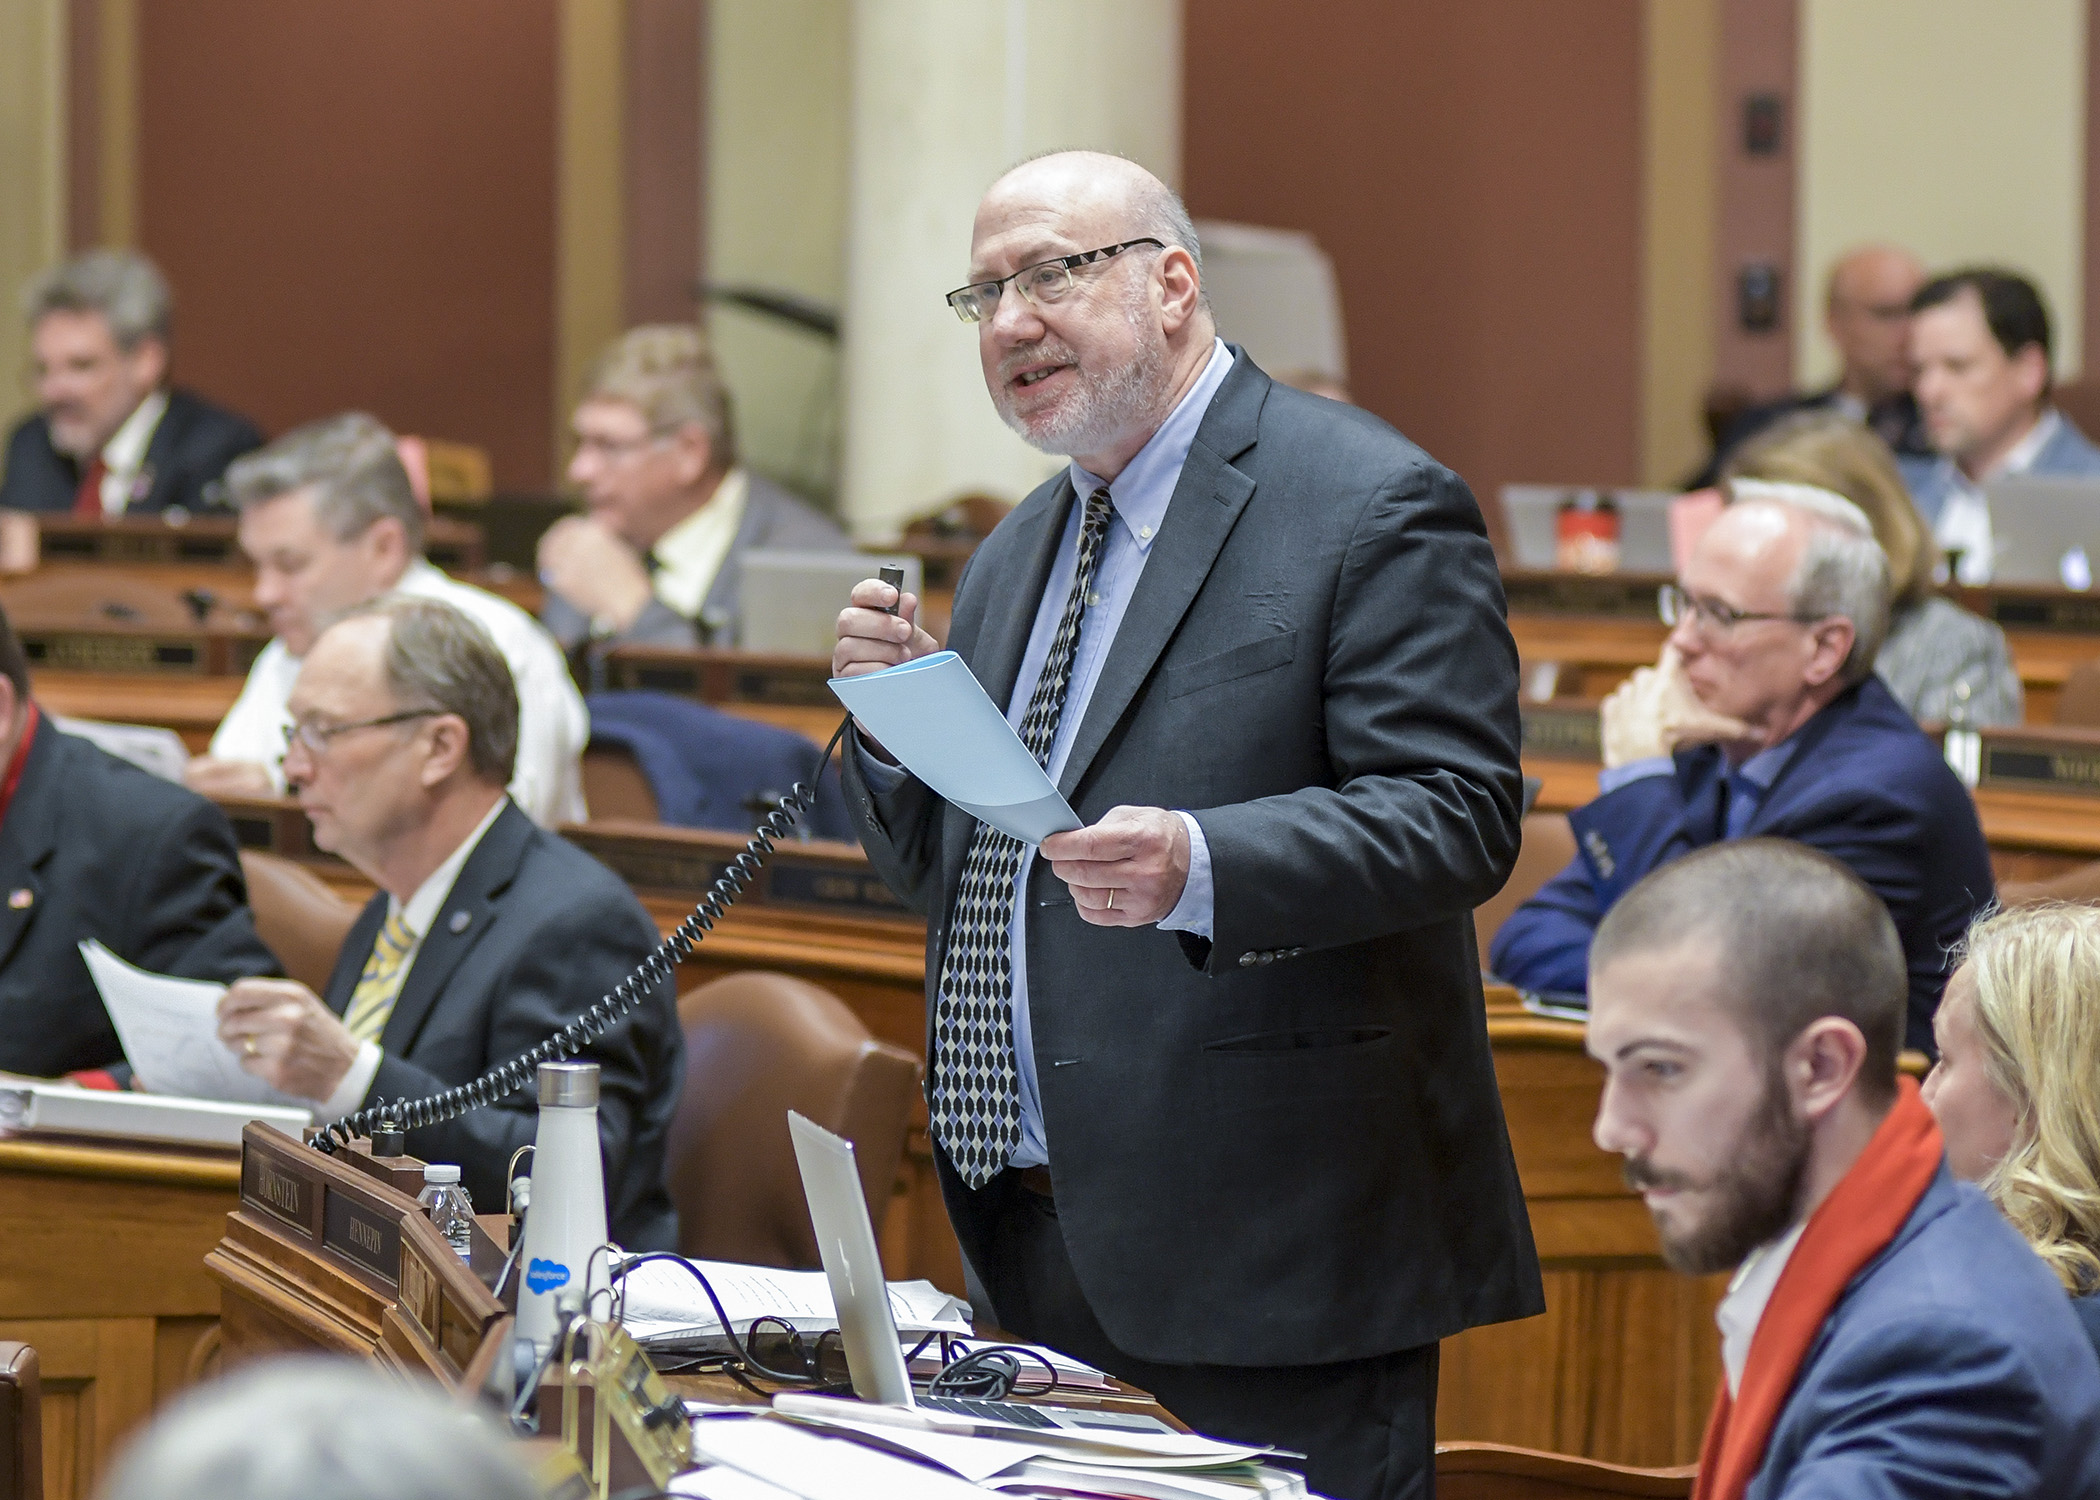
x=2062 y=761
x=365 y=1236
x=833 y=889
x=1621 y=595
x=85 y=651
x=284 y=1195
x=164 y=544
x=1562 y=731
x=2058 y=613
x=797 y=686
x=652 y=866
x=713 y=675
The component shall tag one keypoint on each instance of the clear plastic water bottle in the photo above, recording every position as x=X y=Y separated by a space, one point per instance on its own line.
x=449 y=1207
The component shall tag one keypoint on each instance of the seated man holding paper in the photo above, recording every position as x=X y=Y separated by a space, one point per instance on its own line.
x=91 y=847
x=1765 y=717
x=487 y=933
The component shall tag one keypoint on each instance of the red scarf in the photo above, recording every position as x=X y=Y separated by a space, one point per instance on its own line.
x=1852 y=1226
x=21 y=759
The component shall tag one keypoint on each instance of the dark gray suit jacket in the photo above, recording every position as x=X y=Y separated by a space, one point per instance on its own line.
x=532 y=934
x=772 y=518
x=1290 y=1150
x=185 y=461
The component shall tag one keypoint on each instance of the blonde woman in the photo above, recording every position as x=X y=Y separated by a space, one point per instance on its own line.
x=1940 y=661
x=2017 y=1086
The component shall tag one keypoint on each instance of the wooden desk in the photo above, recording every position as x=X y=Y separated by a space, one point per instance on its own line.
x=212 y=541
x=104 y=1274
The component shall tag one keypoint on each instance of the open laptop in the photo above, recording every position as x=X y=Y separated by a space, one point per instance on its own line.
x=790 y=601
x=1531 y=513
x=874 y=1356
x=2037 y=524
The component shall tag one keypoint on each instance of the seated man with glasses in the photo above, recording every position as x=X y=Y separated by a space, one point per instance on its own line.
x=329 y=520
x=657 y=560
x=487 y=934
x=1764 y=717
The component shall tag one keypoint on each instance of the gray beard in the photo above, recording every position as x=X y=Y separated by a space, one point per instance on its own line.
x=1102 y=410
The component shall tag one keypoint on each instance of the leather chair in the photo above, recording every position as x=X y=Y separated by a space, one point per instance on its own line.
x=614 y=785
x=756 y=1046
x=2078 y=705
x=21 y=1424
x=1547 y=847
x=301 y=920
x=1495 y=1471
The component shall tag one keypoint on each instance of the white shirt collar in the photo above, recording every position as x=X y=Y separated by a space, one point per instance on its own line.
x=125 y=452
x=2029 y=448
x=422 y=908
x=1748 y=1291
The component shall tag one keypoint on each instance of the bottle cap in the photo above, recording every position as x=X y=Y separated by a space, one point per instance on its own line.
x=440 y=1174
x=574 y=1084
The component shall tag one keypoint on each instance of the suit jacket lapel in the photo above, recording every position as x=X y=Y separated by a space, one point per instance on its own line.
x=28 y=837
x=1207 y=501
x=470 y=909
x=995 y=655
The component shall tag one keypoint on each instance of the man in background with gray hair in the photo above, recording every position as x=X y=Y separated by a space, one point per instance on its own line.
x=111 y=436
x=487 y=934
x=329 y=520
x=1764 y=717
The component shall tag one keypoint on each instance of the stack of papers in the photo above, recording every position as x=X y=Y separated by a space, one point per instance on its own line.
x=665 y=1303
x=874 y=1456
x=170 y=1031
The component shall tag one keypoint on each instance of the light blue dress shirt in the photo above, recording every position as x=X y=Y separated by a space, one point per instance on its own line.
x=1141 y=493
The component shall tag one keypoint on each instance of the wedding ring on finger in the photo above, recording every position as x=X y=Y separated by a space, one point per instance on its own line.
x=248 y=1045
x=1111 y=899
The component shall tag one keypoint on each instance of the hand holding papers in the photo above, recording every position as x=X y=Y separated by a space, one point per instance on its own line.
x=937 y=720
x=170 y=1031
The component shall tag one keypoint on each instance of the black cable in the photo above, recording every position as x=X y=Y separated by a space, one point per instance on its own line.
x=992 y=1373
x=507 y=1078
x=806 y=1376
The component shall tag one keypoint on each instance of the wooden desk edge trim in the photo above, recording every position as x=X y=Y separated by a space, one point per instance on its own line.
x=120 y=1164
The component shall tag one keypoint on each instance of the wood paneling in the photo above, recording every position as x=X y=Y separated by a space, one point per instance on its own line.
x=1474 y=170
x=356 y=207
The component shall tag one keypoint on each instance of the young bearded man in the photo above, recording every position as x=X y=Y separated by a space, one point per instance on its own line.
x=1886 y=1332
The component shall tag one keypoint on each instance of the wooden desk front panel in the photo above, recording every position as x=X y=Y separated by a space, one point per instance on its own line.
x=104 y=1274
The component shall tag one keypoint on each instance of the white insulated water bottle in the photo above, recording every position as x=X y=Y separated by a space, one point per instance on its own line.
x=566 y=1222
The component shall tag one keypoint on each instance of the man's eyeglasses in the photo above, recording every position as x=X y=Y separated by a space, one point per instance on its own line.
x=1711 y=616
x=615 y=450
x=316 y=738
x=1044 y=283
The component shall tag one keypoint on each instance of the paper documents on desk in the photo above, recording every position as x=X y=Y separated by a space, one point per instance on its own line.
x=170 y=1031
x=663 y=1301
x=807 y=1464
x=933 y=715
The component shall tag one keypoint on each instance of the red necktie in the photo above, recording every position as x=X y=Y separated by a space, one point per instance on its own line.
x=87 y=500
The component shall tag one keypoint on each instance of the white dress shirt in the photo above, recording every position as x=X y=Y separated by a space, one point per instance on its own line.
x=690 y=555
x=553 y=724
x=124 y=455
x=416 y=916
x=1749 y=1290
x=1965 y=520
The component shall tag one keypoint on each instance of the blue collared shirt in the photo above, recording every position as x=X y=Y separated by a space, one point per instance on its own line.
x=1747 y=783
x=1141 y=494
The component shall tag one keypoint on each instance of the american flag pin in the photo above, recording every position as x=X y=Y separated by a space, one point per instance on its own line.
x=19 y=899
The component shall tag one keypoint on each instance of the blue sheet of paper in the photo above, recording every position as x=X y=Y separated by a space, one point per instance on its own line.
x=939 y=723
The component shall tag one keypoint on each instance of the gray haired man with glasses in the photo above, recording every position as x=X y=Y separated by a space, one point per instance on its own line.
x=1764 y=717
x=1209 y=1075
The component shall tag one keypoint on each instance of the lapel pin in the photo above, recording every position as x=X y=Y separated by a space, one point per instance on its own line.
x=459 y=921
x=20 y=899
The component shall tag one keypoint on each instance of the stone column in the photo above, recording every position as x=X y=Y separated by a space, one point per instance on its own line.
x=946 y=94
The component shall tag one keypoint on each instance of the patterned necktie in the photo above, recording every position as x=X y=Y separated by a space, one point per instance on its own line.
x=377 y=988
x=976 y=1092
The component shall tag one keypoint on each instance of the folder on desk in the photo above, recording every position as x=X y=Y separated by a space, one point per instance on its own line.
x=936 y=718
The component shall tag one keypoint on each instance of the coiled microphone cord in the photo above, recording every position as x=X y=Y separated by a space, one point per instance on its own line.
x=507 y=1078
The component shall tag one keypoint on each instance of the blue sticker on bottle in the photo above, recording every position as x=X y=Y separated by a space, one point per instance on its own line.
x=546 y=1275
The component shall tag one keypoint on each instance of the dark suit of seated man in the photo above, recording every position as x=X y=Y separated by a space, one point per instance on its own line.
x=1886 y=1333
x=1767 y=697
x=111 y=437
x=488 y=933
x=93 y=847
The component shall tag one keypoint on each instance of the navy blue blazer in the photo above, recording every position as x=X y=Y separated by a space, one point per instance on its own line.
x=1952 y=1366
x=706 y=766
x=185 y=459
x=1864 y=785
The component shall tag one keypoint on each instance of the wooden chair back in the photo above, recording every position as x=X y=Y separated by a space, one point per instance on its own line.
x=1495 y=1471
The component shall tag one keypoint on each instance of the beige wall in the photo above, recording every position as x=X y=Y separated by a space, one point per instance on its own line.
x=778 y=111
x=1951 y=126
x=1681 y=53
x=946 y=94
x=32 y=173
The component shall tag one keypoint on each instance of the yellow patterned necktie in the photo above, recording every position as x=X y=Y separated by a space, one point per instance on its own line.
x=373 y=999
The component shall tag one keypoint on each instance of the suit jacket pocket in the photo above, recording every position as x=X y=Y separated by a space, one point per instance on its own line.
x=1227 y=666
x=1306 y=1039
